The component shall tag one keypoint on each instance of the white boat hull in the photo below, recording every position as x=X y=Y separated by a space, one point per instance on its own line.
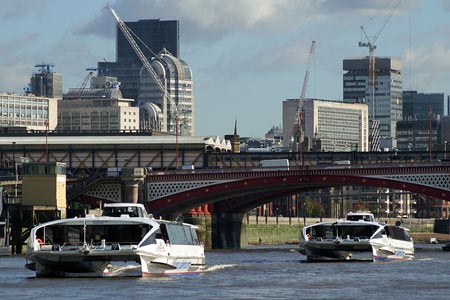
x=392 y=250
x=162 y=259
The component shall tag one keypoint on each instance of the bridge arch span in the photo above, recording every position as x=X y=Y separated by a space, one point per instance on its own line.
x=242 y=194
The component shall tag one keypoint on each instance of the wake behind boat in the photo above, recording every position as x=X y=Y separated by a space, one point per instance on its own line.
x=358 y=237
x=124 y=233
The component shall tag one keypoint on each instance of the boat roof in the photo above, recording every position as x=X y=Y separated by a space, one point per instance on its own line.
x=346 y=223
x=99 y=220
x=102 y=220
x=121 y=204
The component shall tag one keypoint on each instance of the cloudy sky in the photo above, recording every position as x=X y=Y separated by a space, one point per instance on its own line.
x=247 y=56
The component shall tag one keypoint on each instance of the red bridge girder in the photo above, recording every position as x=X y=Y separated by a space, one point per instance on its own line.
x=251 y=189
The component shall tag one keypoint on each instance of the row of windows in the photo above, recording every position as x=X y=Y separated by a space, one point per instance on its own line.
x=22 y=101
x=129 y=120
x=10 y=122
x=93 y=114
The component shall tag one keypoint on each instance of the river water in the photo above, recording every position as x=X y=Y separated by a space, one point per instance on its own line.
x=261 y=272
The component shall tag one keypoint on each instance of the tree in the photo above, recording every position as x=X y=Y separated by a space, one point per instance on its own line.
x=313 y=208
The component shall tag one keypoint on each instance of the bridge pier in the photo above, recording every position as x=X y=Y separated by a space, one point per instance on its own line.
x=228 y=231
x=203 y=221
x=131 y=178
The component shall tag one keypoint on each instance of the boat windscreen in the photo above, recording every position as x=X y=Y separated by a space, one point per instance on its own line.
x=397 y=233
x=74 y=234
x=180 y=234
x=362 y=231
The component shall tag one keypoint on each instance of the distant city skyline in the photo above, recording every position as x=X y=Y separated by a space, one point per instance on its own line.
x=247 y=57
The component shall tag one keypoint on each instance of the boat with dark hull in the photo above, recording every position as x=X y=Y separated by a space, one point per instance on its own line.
x=358 y=237
x=89 y=246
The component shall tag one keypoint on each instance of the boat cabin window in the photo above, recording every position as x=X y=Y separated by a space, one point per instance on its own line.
x=75 y=234
x=343 y=231
x=180 y=234
x=131 y=211
x=175 y=234
x=357 y=217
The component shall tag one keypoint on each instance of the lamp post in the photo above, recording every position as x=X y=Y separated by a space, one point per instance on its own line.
x=300 y=115
x=430 y=111
x=445 y=150
x=176 y=142
x=14 y=152
x=46 y=140
x=15 y=167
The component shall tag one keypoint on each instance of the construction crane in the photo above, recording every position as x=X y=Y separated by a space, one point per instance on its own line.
x=371 y=82
x=297 y=119
x=173 y=115
x=370 y=44
x=45 y=67
x=83 y=85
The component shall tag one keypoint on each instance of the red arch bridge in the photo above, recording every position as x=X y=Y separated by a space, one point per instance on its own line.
x=233 y=193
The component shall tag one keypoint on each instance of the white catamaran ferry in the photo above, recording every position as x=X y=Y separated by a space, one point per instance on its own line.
x=358 y=237
x=124 y=233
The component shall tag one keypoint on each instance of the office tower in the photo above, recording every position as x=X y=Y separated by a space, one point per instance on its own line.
x=98 y=108
x=327 y=125
x=161 y=110
x=416 y=105
x=45 y=82
x=154 y=34
x=29 y=112
x=383 y=96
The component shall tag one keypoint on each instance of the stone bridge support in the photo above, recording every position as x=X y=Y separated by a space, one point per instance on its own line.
x=228 y=230
x=131 y=179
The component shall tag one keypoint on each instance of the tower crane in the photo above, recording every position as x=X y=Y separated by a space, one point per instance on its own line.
x=370 y=44
x=83 y=85
x=173 y=115
x=296 y=134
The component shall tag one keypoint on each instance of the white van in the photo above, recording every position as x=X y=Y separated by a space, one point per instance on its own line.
x=187 y=167
x=340 y=164
x=113 y=172
x=274 y=164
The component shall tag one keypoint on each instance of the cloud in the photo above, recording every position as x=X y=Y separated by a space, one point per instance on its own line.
x=11 y=10
x=18 y=63
x=209 y=20
x=429 y=67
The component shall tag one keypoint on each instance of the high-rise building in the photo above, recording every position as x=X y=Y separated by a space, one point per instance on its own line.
x=327 y=125
x=416 y=105
x=176 y=75
x=151 y=36
x=45 y=82
x=383 y=97
x=416 y=135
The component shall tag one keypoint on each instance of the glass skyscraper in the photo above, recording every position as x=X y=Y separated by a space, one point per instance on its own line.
x=384 y=99
x=154 y=34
